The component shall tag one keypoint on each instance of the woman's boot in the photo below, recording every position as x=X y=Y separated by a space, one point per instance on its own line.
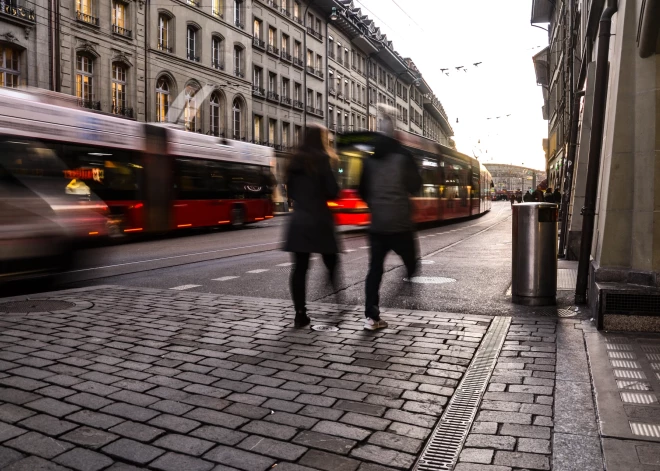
x=301 y=319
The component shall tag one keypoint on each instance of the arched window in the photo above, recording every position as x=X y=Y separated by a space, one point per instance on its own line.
x=216 y=115
x=119 y=89
x=238 y=61
x=9 y=69
x=85 y=80
x=190 y=108
x=162 y=99
x=237 y=119
x=217 y=47
x=191 y=43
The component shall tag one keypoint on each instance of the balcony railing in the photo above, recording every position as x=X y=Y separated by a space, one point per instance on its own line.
x=310 y=109
x=239 y=73
x=18 y=12
x=194 y=3
x=340 y=60
x=218 y=13
x=310 y=69
x=340 y=96
x=218 y=64
x=122 y=31
x=332 y=91
x=391 y=90
x=286 y=101
x=123 y=111
x=191 y=56
x=256 y=42
x=318 y=73
x=319 y=113
x=239 y=24
x=271 y=3
x=164 y=47
x=85 y=18
x=297 y=19
x=298 y=104
x=316 y=34
x=286 y=56
x=298 y=62
x=90 y=104
x=273 y=50
x=272 y=96
x=285 y=12
x=258 y=91
x=331 y=55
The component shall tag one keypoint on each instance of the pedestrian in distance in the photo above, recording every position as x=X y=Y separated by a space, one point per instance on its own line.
x=528 y=197
x=311 y=184
x=519 y=197
x=513 y=199
x=537 y=195
x=389 y=177
x=549 y=197
x=557 y=196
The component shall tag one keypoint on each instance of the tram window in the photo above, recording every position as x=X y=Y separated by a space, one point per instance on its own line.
x=429 y=183
x=349 y=170
x=112 y=174
x=194 y=179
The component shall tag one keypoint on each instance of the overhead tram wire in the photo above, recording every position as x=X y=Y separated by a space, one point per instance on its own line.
x=406 y=13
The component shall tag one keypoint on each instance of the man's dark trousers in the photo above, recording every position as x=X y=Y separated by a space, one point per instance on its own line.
x=403 y=244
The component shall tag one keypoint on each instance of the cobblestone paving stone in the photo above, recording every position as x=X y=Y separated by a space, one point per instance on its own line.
x=171 y=381
x=514 y=424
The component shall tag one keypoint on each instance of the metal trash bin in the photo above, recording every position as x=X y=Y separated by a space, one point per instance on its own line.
x=534 y=257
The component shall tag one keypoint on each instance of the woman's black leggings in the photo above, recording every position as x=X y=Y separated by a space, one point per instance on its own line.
x=299 y=276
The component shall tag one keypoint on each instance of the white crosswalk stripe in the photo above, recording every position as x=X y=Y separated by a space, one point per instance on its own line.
x=285 y=264
x=349 y=250
x=225 y=278
x=261 y=270
x=184 y=287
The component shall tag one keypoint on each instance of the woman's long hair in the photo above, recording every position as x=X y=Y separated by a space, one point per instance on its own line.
x=316 y=147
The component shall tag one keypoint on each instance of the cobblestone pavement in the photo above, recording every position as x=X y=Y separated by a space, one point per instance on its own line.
x=167 y=380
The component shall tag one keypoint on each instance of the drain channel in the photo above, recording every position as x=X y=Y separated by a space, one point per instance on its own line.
x=441 y=451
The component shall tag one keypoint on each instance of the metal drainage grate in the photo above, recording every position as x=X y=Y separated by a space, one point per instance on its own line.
x=441 y=451
x=325 y=328
x=630 y=303
x=25 y=307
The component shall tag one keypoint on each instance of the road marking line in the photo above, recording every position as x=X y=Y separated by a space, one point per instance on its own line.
x=365 y=247
x=349 y=250
x=183 y=287
x=261 y=270
x=284 y=264
x=225 y=278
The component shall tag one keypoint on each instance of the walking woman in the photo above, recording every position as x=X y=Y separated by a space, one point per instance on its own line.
x=311 y=185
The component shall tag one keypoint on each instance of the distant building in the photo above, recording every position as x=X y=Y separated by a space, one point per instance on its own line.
x=514 y=178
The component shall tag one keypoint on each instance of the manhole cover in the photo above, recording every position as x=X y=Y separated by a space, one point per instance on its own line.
x=25 y=307
x=325 y=328
x=430 y=280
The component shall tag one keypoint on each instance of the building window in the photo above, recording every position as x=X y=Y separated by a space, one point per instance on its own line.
x=318 y=26
x=164 y=33
x=257 y=129
x=272 y=82
x=310 y=98
x=296 y=11
x=238 y=13
x=119 y=89
x=285 y=135
x=9 y=69
x=218 y=8
x=256 y=26
x=237 y=117
x=85 y=12
x=238 y=61
x=297 y=92
x=216 y=114
x=272 y=132
x=319 y=102
x=190 y=109
x=191 y=44
x=162 y=100
x=257 y=73
x=285 y=88
x=84 y=80
x=296 y=49
x=216 y=53
x=119 y=23
x=284 y=4
x=285 y=43
x=310 y=58
x=272 y=36
x=319 y=64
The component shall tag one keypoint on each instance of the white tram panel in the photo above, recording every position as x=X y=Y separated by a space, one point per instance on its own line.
x=186 y=144
x=31 y=115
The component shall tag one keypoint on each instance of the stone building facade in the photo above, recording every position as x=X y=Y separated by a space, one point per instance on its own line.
x=254 y=70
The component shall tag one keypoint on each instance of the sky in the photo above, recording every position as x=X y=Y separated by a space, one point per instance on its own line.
x=445 y=34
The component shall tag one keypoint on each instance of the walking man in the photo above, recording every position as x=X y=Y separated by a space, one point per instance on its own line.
x=388 y=179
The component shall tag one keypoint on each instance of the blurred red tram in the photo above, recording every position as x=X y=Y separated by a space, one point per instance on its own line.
x=141 y=177
x=454 y=185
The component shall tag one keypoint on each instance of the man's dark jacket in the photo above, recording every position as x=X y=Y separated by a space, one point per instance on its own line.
x=389 y=177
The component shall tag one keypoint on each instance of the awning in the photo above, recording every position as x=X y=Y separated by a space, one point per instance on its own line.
x=541 y=11
x=542 y=68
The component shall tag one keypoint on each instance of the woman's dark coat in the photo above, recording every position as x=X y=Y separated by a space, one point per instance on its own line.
x=311 y=227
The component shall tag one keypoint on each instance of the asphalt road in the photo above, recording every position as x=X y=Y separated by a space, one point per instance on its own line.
x=465 y=266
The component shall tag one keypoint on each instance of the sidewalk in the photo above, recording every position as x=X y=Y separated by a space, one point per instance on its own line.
x=118 y=378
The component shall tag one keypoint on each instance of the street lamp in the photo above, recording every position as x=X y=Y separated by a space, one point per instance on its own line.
x=333 y=15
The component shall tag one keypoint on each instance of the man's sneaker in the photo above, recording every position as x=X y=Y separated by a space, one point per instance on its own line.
x=372 y=324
